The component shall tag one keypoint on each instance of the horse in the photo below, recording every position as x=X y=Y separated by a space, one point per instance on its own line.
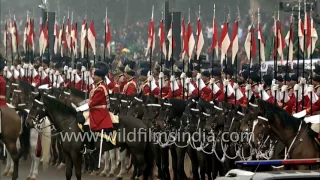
x=293 y=132
x=10 y=134
x=64 y=119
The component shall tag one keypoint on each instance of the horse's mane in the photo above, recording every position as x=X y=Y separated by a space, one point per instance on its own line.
x=53 y=103
x=26 y=86
x=178 y=106
x=285 y=118
x=78 y=93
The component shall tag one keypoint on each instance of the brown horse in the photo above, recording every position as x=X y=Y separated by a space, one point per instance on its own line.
x=293 y=132
x=10 y=131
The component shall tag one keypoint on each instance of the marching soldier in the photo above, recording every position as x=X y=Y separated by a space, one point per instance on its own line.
x=130 y=88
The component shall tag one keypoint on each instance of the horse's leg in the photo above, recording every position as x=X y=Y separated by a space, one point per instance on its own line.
x=113 y=162
x=215 y=166
x=76 y=159
x=195 y=163
x=69 y=165
x=54 y=150
x=174 y=158
x=181 y=152
x=94 y=163
x=35 y=168
x=106 y=164
x=31 y=168
x=165 y=162
x=33 y=147
x=208 y=166
x=12 y=148
x=201 y=159
x=8 y=163
x=123 y=157
x=157 y=152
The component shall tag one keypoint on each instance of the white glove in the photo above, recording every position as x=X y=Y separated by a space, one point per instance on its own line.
x=172 y=78
x=47 y=70
x=188 y=80
x=5 y=69
x=18 y=67
x=40 y=69
x=149 y=73
x=74 y=72
x=284 y=88
x=83 y=69
x=275 y=87
x=260 y=88
x=150 y=78
x=225 y=82
x=25 y=65
x=273 y=82
x=52 y=71
x=12 y=68
x=183 y=75
x=161 y=75
x=87 y=74
x=235 y=86
x=69 y=70
x=65 y=68
x=57 y=73
x=198 y=76
x=30 y=66
x=296 y=87
x=248 y=87
x=303 y=81
x=212 y=80
x=310 y=88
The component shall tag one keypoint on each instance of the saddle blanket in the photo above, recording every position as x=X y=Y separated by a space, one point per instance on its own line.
x=106 y=135
x=86 y=115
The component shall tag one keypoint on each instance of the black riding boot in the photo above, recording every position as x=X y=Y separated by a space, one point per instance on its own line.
x=89 y=146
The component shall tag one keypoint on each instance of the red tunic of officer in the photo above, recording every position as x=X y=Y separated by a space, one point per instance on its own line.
x=206 y=93
x=219 y=96
x=165 y=90
x=120 y=82
x=130 y=89
x=36 y=80
x=146 y=89
x=315 y=105
x=3 y=92
x=177 y=93
x=98 y=108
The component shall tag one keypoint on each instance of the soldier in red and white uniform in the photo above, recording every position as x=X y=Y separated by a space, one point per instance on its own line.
x=2 y=83
x=130 y=88
x=145 y=90
x=120 y=80
x=175 y=90
x=166 y=82
x=267 y=79
x=217 y=95
x=98 y=105
x=206 y=92
x=315 y=102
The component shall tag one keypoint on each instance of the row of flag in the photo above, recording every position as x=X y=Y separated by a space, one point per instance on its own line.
x=65 y=36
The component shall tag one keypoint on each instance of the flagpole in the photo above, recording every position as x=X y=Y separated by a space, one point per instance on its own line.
x=182 y=54
x=197 y=56
x=94 y=53
x=259 y=44
x=150 y=57
x=212 y=62
x=105 y=35
x=161 y=62
x=311 y=52
x=287 y=64
x=304 y=47
x=48 y=38
x=236 y=61
x=298 y=57
x=6 y=31
x=172 y=73
x=16 y=34
x=276 y=56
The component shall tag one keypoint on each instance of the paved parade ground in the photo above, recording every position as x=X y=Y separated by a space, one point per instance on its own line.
x=53 y=173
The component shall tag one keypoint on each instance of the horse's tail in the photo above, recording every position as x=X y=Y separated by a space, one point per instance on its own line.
x=149 y=158
x=46 y=142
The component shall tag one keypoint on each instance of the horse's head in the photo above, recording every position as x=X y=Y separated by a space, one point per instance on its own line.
x=65 y=97
x=136 y=108
x=36 y=113
x=253 y=112
x=191 y=115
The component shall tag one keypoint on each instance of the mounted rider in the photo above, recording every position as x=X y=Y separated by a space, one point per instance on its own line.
x=99 y=117
x=2 y=83
x=120 y=80
x=130 y=88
